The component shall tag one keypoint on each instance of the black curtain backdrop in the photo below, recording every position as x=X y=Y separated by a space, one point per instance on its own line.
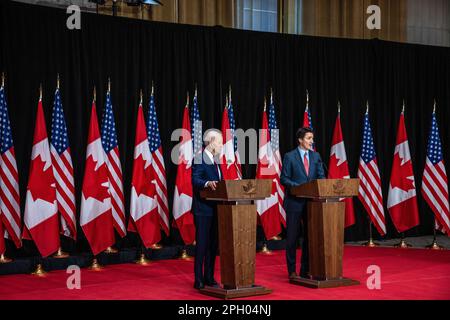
x=36 y=45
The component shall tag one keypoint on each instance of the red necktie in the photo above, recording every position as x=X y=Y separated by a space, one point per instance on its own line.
x=306 y=164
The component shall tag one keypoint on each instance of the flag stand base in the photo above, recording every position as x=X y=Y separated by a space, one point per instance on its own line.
x=111 y=250
x=95 y=266
x=403 y=244
x=156 y=246
x=40 y=272
x=184 y=256
x=371 y=244
x=60 y=254
x=434 y=246
x=4 y=259
x=265 y=250
x=143 y=261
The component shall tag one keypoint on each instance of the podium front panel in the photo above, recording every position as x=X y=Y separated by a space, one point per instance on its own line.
x=237 y=244
x=326 y=237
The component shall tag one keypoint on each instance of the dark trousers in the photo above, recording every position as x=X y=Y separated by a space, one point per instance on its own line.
x=295 y=221
x=206 y=237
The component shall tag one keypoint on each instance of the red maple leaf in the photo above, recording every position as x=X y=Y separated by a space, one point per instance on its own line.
x=95 y=181
x=402 y=174
x=41 y=182
x=142 y=178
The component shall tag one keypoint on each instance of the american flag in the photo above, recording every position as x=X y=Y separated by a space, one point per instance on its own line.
x=369 y=191
x=110 y=145
x=233 y=128
x=434 y=182
x=157 y=164
x=63 y=169
x=274 y=141
x=9 y=178
x=196 y=127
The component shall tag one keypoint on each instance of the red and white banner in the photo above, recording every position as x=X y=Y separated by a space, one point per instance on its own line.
x=402 y=199
x=41 y=211
x=338 y=167
x=182 y=200
x=143 y=204
x=268 y=209
x=369 y=191
x=157 y=166
x=435 y=181
x=10 y=221
x=228 y=164
x=95 y=214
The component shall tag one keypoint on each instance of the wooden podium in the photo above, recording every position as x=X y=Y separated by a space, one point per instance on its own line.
x=237 y=236
x=326 y=217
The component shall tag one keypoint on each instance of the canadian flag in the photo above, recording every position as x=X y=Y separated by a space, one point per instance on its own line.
x=228 y=163
x=41 y=211
x=182 y=200
x=402 y=199
x=144 y=207
x=95 y=214
x=338 y=167
x=268 y=209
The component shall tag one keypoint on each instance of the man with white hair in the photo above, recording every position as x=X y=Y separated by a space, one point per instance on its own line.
x=206 y=174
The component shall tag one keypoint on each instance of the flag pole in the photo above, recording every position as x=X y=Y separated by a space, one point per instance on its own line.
x=184 y=254
x=155 y=246
x=370 y=243
x=143 y=261
x=434 y=245
x=265 y=249
x=3 y=79
x=402 y=244
x=60 y=254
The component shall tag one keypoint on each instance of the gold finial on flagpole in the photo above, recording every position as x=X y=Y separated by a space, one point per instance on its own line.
x=140 y=98
x=265 y=104
x=3 y=79
x=339 y=106
x=367 y=106
x=109 y=84
x=226 y=102
x=153 y=88
x=187 y=99
x=403 y=107
x=195 y=92
x=229 y=93
x=40 y=91
x=307 y=98
x=95 y=94
x=434 y=106
x=271 y=95
x=57 y=81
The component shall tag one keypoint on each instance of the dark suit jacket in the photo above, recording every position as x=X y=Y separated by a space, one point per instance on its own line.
x=202 y=171
x=293 y=174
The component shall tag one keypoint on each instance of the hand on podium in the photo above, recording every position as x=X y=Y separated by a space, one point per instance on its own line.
x=212 y=185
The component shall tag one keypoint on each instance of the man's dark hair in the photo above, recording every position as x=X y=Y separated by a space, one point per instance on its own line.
x=302 y=132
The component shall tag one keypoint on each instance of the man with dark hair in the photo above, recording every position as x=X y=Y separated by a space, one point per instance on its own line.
x=300 y=165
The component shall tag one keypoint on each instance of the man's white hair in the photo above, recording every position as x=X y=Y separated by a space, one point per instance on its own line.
x=211 y=134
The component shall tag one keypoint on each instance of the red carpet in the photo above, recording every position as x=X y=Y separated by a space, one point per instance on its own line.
x=405 y=274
